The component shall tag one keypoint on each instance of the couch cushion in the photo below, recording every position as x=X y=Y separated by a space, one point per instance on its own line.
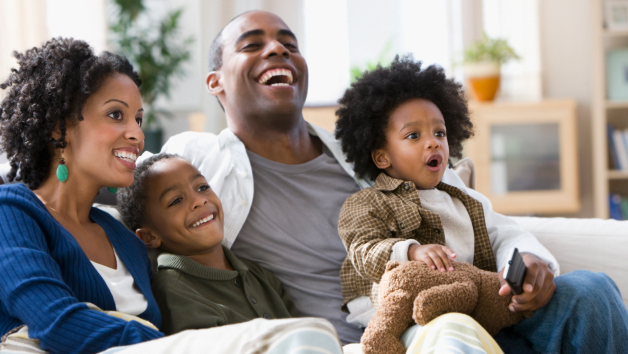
x=465 y=169
x=592 y=244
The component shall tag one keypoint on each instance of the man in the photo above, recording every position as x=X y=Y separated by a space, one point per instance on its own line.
x=282 y=183
x=261 y=80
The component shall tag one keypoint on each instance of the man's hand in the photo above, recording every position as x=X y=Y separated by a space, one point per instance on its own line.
x=538 y=285
x=435 y=256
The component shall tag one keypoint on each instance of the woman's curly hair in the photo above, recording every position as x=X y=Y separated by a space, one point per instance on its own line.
x=132 y=199
x=367 y=104
x=49 y=90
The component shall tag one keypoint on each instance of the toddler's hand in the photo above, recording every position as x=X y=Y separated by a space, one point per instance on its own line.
x=435 y=256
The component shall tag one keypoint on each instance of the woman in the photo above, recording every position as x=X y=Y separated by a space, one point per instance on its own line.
x=70 y=126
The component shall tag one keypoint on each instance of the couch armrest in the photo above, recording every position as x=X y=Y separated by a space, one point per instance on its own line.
x=592 y=244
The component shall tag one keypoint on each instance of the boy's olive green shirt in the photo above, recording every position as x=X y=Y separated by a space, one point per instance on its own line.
x=374 y=219
x=193 y=296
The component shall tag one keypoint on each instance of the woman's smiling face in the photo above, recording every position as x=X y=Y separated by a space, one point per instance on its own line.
x=102 y=148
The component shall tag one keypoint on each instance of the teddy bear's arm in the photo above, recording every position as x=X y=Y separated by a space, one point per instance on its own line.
x=385 y=328
x=441 y=299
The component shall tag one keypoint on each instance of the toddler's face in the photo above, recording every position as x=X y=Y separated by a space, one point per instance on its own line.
x=416 y=147
x=184 y=213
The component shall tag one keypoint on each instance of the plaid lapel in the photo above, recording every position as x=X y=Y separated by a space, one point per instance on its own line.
x=483 y=257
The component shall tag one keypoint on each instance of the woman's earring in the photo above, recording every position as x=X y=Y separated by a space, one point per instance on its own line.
x=112 y=189
x=62 y=170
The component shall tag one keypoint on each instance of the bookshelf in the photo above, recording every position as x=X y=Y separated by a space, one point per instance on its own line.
x=323 y=116
x=606 y=179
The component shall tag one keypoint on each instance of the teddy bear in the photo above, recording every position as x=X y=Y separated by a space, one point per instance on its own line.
x=411 y=290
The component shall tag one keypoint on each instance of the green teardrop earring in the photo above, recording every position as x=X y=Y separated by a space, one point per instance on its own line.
x=112 y=189
x=62 y=170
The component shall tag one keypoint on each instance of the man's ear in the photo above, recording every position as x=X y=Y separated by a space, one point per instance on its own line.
x=214 y=85
x=380 y=158
x=148 y=237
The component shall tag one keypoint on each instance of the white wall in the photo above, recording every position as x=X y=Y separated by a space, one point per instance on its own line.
x=565 y=37
x=328 y=60
x=518 y=22
x=566 y=44
x=372 y=24
x=80 y=19
x=22 y=26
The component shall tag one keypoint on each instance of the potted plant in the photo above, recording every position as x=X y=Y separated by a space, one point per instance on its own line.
x=157 y=52
x=482 y=63
x=384 y=59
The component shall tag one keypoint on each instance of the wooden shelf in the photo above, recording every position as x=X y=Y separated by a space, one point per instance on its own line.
x=616 y=104
x=562 y=199
x=605 y=181
x=615 y=33
x=617 y=174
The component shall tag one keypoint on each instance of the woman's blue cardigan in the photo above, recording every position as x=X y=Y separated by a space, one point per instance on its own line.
x=45 y=277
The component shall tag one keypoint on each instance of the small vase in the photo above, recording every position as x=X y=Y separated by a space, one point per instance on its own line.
x=482 y=79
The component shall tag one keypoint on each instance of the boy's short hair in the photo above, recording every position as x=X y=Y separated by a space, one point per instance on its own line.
x=132 y=199
x=367 y=104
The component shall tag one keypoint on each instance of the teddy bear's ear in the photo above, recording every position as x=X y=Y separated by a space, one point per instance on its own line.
x=392 y=265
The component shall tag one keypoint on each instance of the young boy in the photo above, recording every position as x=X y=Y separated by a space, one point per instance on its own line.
x=399 y=126
x=199 y=283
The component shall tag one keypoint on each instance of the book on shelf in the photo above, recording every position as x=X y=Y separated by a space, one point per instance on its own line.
x=618 y=206
x=618 y=147
x=616 y=84
x=623 y=207
x=612 y=147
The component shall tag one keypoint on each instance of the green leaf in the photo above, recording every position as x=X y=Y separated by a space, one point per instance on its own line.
x=155 y=49
x=488 y=49
x=384 y=59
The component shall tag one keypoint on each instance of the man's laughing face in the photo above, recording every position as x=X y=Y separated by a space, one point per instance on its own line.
x=262 y=70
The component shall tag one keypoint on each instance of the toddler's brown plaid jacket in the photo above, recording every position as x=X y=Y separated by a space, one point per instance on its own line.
x=374 y=219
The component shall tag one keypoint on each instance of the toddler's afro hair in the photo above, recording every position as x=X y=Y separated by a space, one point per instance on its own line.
x=367 y=104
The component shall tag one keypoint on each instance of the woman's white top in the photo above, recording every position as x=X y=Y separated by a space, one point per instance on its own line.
x=128 y=298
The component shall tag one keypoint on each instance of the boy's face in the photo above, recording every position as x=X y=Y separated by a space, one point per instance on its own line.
x=185 y=216
x=416 y=147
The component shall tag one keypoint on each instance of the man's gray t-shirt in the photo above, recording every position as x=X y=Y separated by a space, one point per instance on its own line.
x=292 y=230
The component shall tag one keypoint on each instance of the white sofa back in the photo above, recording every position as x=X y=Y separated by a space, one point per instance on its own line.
x=592 y=244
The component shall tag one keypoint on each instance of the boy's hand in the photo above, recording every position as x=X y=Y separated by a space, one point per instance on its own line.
x=435 y=256
x=538 y=285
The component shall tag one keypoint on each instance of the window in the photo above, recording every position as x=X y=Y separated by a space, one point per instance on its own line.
x=340 y=34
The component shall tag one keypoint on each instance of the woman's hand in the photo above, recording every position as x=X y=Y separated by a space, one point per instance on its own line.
x=538 y=285
x=435 y=256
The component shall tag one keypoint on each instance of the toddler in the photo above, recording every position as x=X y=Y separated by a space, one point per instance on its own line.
x=399 y=126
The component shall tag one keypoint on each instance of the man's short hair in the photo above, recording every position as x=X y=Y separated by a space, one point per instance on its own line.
x=215 y=50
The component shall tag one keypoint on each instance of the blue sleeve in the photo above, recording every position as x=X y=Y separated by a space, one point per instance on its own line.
x=32 y=288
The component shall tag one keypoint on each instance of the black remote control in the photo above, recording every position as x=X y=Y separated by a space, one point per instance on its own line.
x=515 y=272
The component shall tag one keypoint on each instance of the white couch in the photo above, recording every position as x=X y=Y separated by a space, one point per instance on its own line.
x=592 y=244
